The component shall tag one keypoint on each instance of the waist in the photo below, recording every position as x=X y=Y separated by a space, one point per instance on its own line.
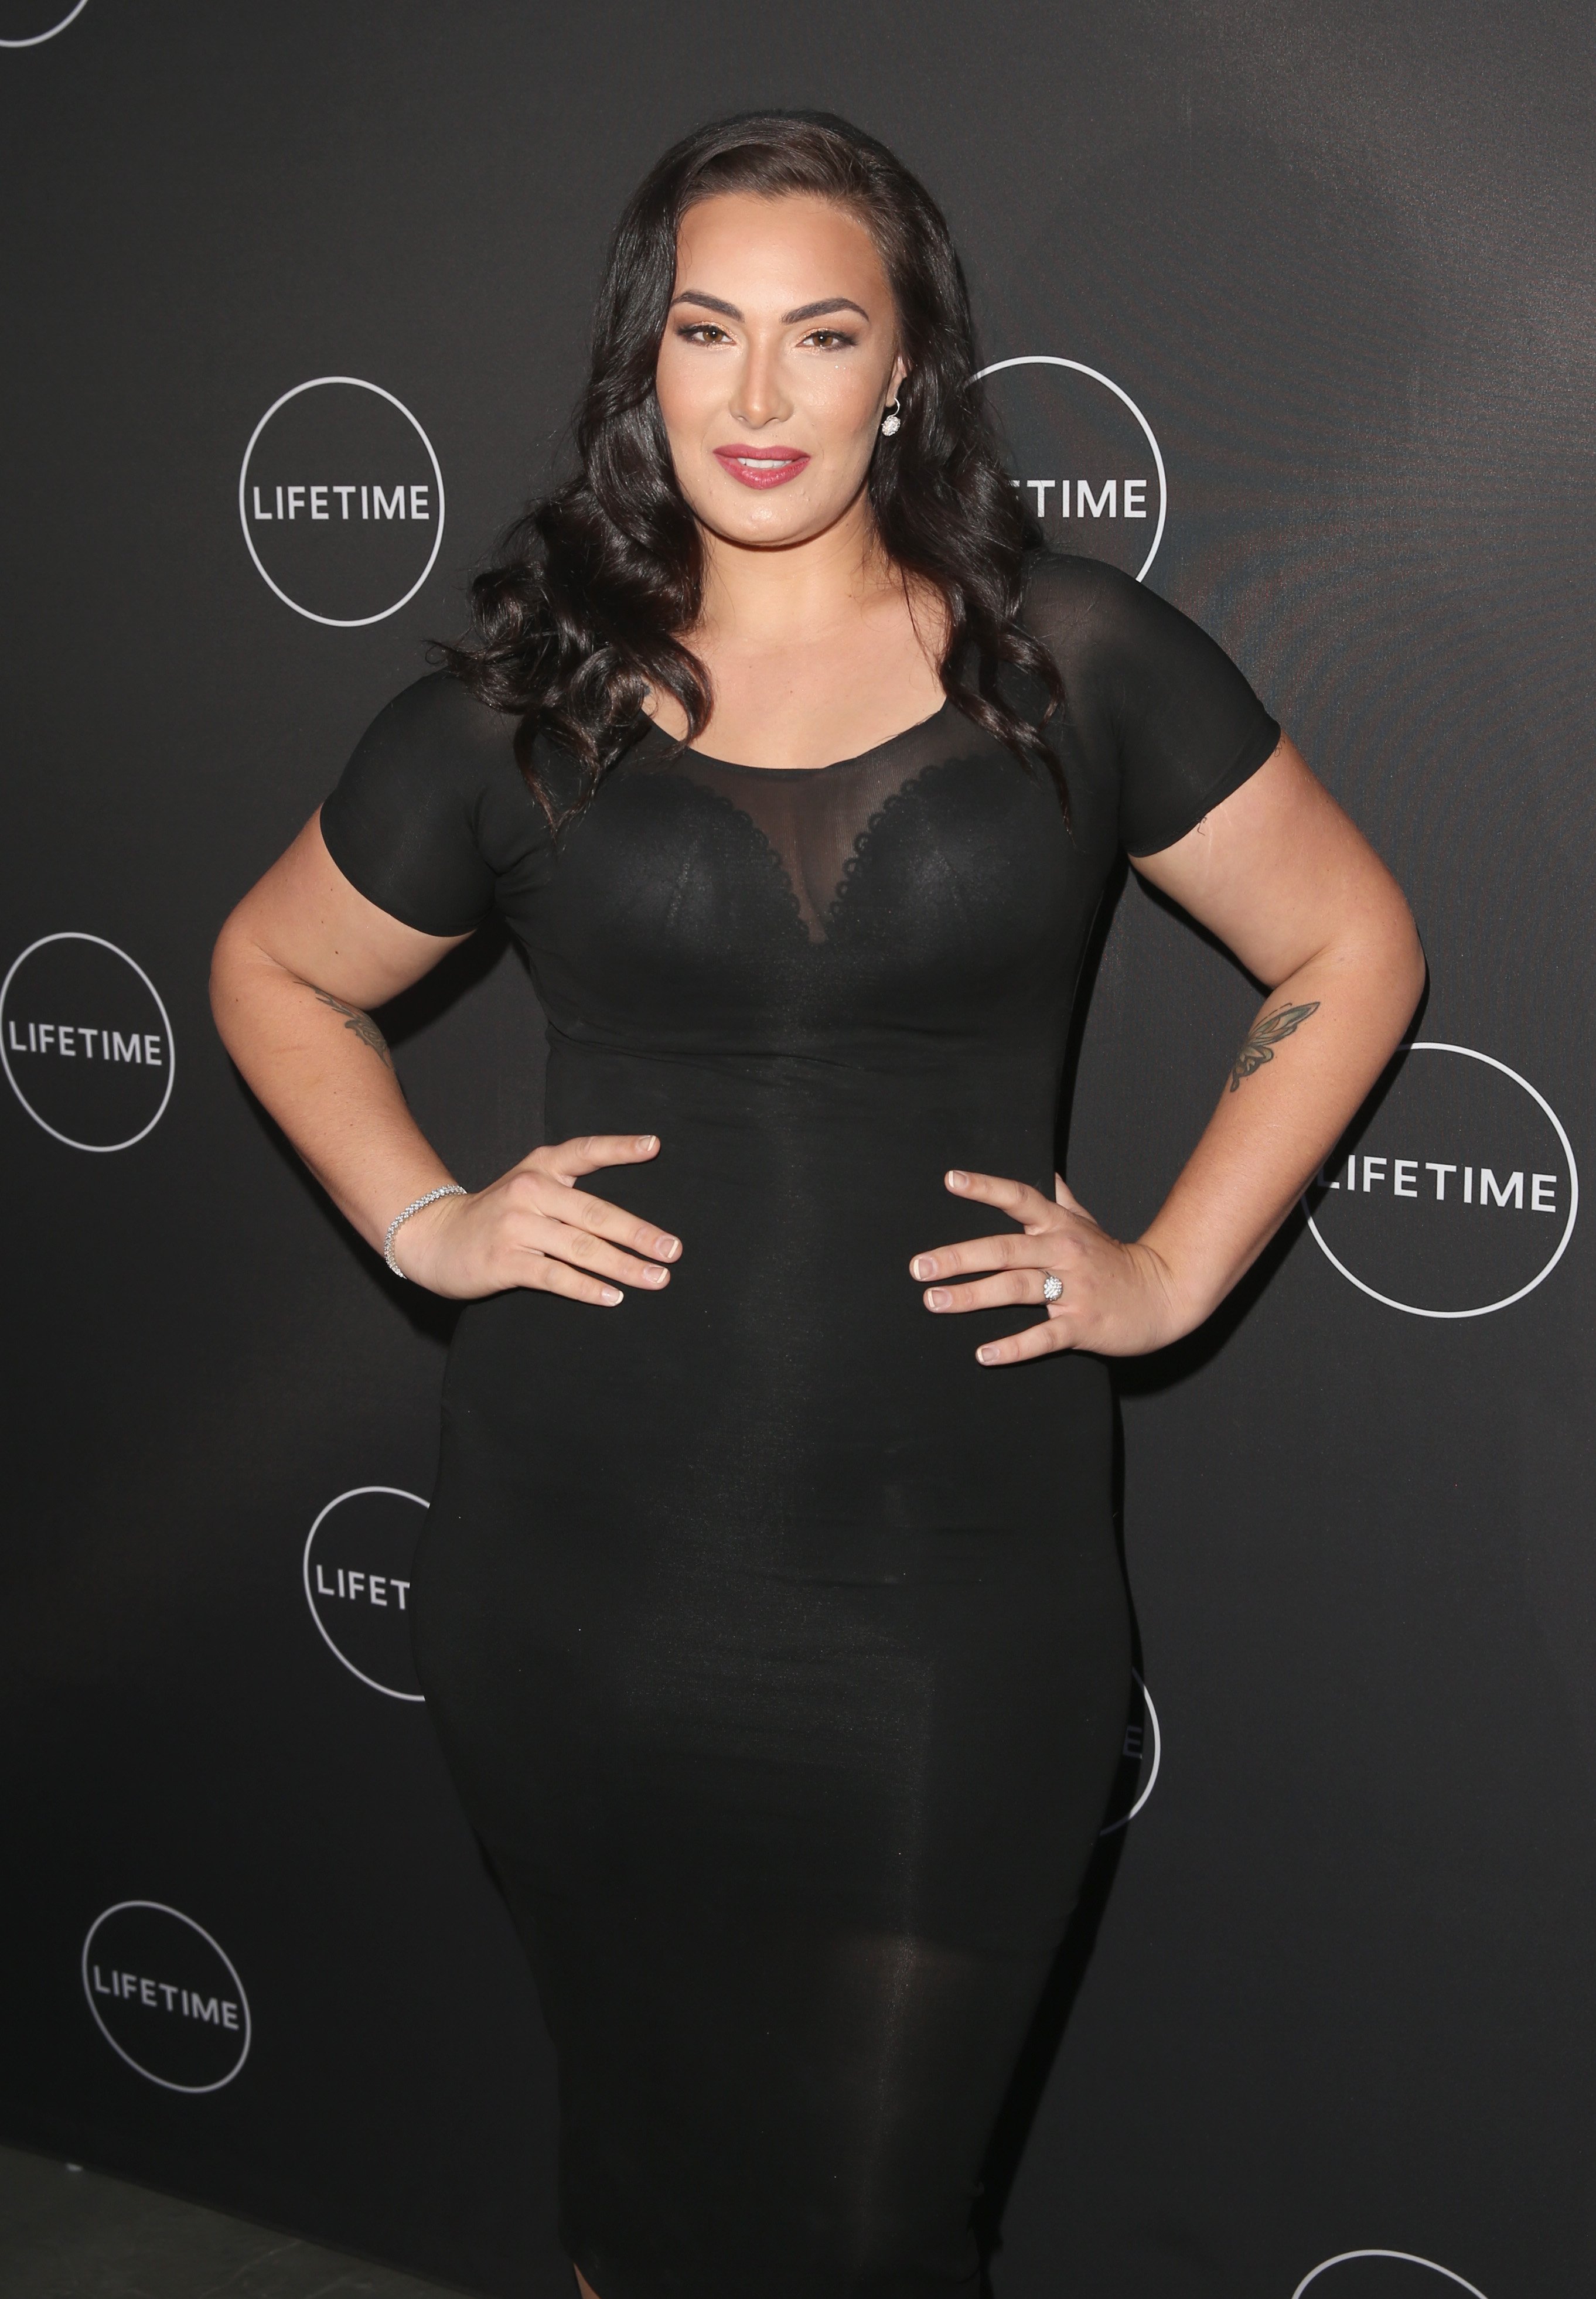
x=966 y=1108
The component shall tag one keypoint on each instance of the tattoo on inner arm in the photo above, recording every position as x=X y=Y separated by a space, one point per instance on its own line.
x=366 y=1030
x=1262 y=1039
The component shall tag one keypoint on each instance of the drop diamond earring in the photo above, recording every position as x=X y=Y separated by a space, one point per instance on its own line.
x=891 y=420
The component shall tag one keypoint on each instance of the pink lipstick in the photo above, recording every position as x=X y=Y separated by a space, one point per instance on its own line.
x=762 y=466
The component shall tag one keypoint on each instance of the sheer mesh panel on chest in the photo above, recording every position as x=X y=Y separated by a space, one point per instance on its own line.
x=842 y=845
x=931 y=882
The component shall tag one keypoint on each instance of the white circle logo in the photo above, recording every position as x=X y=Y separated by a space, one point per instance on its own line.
x=1141 y=1754
x=1083 y=457
x=86 y=1041
x=1377 y=2283
x=16 y=14
x=166 y=1996
x=341 y=499
x=1455 y=1191
x=358 y=1563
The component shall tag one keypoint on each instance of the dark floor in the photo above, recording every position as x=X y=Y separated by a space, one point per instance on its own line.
x=68 y=2234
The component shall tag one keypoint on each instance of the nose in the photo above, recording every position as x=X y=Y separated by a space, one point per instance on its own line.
x=759 y=396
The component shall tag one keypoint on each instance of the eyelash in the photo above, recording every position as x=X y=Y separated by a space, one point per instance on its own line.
x=700 y=331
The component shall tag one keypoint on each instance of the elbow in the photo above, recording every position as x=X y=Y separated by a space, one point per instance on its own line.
x=223 y=969
x=1381 y=962
x=1409 y=969
x=1392 y=966
x=1380 y=953
x=232 y=959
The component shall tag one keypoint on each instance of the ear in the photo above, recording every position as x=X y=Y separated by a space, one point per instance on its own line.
x=899 y=375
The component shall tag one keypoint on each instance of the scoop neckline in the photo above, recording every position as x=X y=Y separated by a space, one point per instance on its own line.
x=739 y=767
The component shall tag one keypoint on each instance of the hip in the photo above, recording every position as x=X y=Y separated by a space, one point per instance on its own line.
x=809 y=1391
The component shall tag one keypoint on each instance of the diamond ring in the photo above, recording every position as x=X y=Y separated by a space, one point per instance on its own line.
x=1052 y=1286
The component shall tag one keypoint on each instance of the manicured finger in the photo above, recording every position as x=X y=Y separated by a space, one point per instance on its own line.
x=589 y=1153
x=979 y=1253
x=1014 y=1288
x=1017 y=1199
x=605 y=1220
x=1044 y=1341
x=583 y=1250
x=546 y=1276
x=533 y=1189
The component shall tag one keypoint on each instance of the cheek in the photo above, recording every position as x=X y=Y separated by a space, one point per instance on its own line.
x=689 y=412
x=686 y=396
x=842 y=400
x=851 y=398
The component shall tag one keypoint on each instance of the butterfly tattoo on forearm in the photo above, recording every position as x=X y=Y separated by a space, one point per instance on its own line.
x=1265 y=1035
x=365 y=1029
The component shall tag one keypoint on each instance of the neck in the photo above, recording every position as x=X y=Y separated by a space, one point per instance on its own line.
x=754 y=594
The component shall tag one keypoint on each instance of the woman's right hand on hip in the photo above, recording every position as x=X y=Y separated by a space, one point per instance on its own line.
x=533 y=1228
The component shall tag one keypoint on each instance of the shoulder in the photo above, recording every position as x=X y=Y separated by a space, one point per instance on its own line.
x=1157 y=703
x=432 y=809
x=439 y=750
x=1085 y=607
x=1113 y=637
x=437 y=731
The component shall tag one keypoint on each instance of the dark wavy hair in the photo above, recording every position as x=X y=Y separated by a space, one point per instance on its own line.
x=587 y=608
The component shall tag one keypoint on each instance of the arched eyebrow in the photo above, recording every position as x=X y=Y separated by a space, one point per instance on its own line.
x=709 y=302
x=788 y=318
x=818 y=311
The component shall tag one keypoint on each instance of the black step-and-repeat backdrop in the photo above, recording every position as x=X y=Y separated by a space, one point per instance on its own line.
x=1288 y=308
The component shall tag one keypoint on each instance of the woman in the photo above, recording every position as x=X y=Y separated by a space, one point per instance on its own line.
x=773 y=1627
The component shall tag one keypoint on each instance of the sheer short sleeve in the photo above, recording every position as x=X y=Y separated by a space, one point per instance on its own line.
x=431 y=814
x=1149 y=694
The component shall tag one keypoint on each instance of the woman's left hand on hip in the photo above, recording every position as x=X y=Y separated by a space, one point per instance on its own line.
x=1093 y=1292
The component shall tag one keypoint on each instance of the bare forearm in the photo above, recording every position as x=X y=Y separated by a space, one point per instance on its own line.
x=1320 y=1041
x=321 y=1068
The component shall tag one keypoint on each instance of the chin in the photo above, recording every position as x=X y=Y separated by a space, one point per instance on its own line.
x=758 y=520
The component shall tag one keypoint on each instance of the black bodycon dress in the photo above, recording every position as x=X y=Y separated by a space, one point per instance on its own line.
x=778 y=1649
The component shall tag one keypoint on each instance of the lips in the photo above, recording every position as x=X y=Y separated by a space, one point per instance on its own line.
x=762 y=466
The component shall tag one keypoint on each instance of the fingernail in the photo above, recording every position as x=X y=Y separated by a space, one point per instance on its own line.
x=610 y=1295
x=648 y=1142
x=657 y=1276
x=939 y=1298
x=667 y=1248
x=956 y=1180
x=988 y=1355
x=924 y=1265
